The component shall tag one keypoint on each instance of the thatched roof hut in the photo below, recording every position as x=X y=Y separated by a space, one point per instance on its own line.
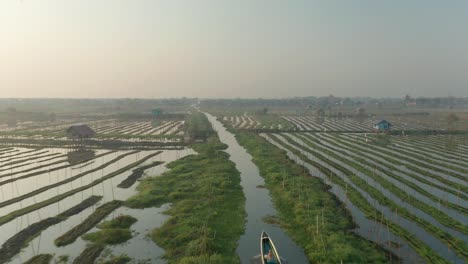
x=80 y=132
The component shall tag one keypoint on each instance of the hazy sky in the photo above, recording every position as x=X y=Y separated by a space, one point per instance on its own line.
x=233 y=48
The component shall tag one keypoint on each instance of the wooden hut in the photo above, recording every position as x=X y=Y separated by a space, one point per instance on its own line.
x=383 y=125
x=80 y=132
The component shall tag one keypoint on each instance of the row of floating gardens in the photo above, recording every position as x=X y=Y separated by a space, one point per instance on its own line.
x=54 y=199
x=421 y=198
x=51 y=198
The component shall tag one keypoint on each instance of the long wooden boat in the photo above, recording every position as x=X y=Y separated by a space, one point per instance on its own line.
x=269 y=253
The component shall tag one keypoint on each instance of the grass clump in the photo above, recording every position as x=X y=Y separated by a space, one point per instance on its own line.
x=113 y=232
x=40 y=259
x=90 y=254
x=121 y=221
x=100 y=213
x=123 y=259
x=62 y=259
x=207 y=213
x=109 y=236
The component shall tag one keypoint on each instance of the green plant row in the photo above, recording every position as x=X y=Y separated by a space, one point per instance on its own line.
x=207 y=213
x=364 y=158
x=46 y=170
x=430 y=210
x=31 y=161
x=359 y=201
x=416 y=149
x=412 y=151
x=414 y=159
x=13 y=245
x=9 y=217
x=365 y=148
x=458 y=246
x=67 y=180
x=309 y=213
x=40 y=259
x=48 y=165
x=92 y=220
x=90 y=254
x=112 y=232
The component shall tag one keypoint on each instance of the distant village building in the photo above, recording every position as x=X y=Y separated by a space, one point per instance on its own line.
x=80 y=132
x=157 y=112
x=383 y=125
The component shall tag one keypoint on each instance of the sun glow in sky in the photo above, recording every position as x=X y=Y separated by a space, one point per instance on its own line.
x=242 y=48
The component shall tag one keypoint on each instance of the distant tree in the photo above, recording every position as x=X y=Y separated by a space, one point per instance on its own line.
x=451 y=120
x=329 y=109
x=52 y=117
x=360 y=114
x=320 y=112
x=11 y=109
x=12 y=122
x=408 y=98
x=262 y=111
x=361 y=111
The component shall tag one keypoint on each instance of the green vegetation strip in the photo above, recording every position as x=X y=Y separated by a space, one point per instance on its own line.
x=198 y=126
x=358 y=200
x=364 y=159
x=20 y=240
x=70 y=179
x=458 y=246
x=54 y=156
x=40 y=259
x=123 y=259
x=112 y=232
x=14 y=156
x=96 y=217
x=414 y=159
x=7 y=218
x=90 y=254
x=45 y=171
x=35 y=156
x=35 y=168
x=313 y=216
x=403 y=195
x=412 y=152
x=136 y=174
x=430 y=153
x=207 y=212
x=365 y=148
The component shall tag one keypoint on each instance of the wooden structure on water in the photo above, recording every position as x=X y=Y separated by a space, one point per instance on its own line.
x=80 y=132
x=383 y=126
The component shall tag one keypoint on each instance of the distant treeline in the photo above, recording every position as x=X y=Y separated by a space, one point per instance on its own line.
x=102 y=106
x=198 y=126
x=330 y=101
x=440 y=102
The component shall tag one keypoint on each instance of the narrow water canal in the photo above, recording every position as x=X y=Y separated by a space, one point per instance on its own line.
x=258 y=205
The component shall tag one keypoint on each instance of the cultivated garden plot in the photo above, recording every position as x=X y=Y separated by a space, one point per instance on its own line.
x=46 y=193
x=314 y=123
x=414 y=189
x=322 y=124
x=143 y=128
x=108 y=129
x=253 y=122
